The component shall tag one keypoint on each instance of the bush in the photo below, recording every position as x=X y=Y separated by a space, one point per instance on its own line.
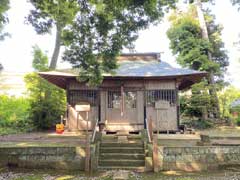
x=14 y=113
x=47 y=102
x=198 y=124
x=237 y=121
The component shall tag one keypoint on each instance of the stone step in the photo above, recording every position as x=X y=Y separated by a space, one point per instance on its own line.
x=114 y=137
x=134 y=156
x=121 y=162
x=116 y=141
x=135 y=169
x=126 y=150
x=116 y=144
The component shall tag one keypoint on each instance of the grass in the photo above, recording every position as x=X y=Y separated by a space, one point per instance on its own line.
x=30 y=177
x=8 y=130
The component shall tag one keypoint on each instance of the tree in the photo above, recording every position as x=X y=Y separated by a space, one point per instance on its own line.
x=103 y=28
x=1 y=67
x=47 y=102
x=4 y=6
x=226 y=97
x=52 y=13
x=192 y=49
x=236 y=2
x=204 y=30
x=198 y=104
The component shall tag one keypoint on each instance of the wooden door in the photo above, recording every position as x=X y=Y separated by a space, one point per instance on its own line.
x=123 y=112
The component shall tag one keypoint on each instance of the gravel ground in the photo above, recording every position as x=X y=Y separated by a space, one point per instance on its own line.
x=220 y=175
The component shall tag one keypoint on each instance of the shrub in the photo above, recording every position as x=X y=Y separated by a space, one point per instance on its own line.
x=238 y=121
x=14 y=112
x=47 y=101
x=198 y=124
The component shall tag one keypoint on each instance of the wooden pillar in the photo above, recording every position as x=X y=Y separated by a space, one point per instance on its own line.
x=103 y=105
x=156 y=161
x=87 y=162
x=177 y=103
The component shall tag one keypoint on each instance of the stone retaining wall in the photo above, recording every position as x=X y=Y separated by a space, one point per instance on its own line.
x=198 y=158
x=65 y=158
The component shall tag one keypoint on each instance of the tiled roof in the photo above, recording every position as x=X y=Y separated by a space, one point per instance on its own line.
x=148 y=69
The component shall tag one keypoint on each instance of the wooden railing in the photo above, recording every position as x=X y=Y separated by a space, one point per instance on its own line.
x=94 y=132
x=149 y=129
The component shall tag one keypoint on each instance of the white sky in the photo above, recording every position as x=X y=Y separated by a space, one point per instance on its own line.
x=16 y=52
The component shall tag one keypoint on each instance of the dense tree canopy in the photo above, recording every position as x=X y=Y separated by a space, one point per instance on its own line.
x=4 y=6
x=219 y=53
x=47 y=102
x=236 y=2
x=52 y=13
x=94 y=31
x=103 y=28
x=192 y=51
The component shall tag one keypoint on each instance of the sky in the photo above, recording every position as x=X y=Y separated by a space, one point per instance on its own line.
x=16 y=52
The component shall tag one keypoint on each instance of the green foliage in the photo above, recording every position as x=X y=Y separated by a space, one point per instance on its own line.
x=40 y=60
x=198 y=124
x=236 y=2
x=14 y=130
x=94 y=31
x=192 y=51
x=103 y=28
x=4 y=6
x=14 y=113
x=237 y=121
x=226 y=97
x=46 y=14
x=54 y=13
x=198 y=103
x=219 y=53
x=47 y=102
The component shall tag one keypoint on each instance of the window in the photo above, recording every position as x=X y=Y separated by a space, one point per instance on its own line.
x=114 y=99
x=131 y=99
x=88 y=96
x=164 y=94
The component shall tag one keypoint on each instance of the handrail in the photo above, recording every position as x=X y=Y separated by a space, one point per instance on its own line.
x=148 y=133
x=94 y=131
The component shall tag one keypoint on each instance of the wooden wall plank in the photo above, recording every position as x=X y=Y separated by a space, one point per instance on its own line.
x=157 y=84
x=140 y=106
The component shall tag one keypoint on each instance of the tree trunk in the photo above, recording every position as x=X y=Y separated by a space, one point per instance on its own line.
x=211 y=80
x=1 y=67
x=56 y=51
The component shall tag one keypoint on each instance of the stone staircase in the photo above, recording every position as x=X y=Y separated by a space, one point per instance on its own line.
x=114 y=155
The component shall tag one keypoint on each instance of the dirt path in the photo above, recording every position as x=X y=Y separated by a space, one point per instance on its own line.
x=42 y=138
